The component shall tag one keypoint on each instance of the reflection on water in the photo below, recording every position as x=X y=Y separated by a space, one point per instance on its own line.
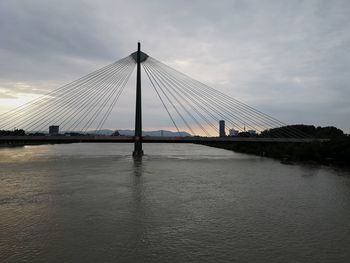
x=137 y=165
x=178 y=203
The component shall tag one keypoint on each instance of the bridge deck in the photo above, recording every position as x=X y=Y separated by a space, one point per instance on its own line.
x=146 y=139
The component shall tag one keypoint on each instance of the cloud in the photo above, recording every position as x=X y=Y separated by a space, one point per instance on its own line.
x=287 y=58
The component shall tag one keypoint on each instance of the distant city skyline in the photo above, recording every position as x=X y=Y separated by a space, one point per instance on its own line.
x=288 y=59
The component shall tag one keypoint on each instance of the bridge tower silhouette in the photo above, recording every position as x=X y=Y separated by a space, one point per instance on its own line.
x=138 y=112
x=139 y=57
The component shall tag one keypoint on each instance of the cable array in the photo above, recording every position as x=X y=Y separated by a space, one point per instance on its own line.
x=79 y=106
x=84 y=105
x=200 y=108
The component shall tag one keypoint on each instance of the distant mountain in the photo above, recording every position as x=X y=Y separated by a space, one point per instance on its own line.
x=144 y=133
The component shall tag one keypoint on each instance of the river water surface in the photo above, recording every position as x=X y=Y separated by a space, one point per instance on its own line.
x=181 y=203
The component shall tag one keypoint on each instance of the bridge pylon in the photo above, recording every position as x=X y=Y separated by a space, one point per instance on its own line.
x=138 y=151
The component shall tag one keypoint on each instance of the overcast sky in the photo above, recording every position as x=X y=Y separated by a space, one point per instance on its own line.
x=290 y=59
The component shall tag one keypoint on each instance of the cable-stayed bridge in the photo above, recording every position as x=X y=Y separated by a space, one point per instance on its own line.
x=85 y=105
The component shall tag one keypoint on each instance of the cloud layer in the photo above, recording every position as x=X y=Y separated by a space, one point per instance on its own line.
x=290 y=59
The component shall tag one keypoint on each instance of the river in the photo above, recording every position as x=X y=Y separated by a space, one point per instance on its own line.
x=181 y=203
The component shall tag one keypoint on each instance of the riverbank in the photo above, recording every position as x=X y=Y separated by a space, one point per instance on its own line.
x=333 y=152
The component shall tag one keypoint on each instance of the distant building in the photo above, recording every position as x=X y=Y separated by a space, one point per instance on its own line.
x=252 y=132
x=222 y=128
x=233 y=132
x=115 y=133
x=54 y=129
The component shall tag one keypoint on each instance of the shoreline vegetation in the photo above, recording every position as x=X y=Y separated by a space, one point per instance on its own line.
x=336 y=151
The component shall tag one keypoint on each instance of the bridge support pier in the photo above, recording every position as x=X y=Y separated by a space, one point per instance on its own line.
x=138 y=113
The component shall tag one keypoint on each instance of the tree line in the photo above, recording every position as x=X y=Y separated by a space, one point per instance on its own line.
x=336 y=151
